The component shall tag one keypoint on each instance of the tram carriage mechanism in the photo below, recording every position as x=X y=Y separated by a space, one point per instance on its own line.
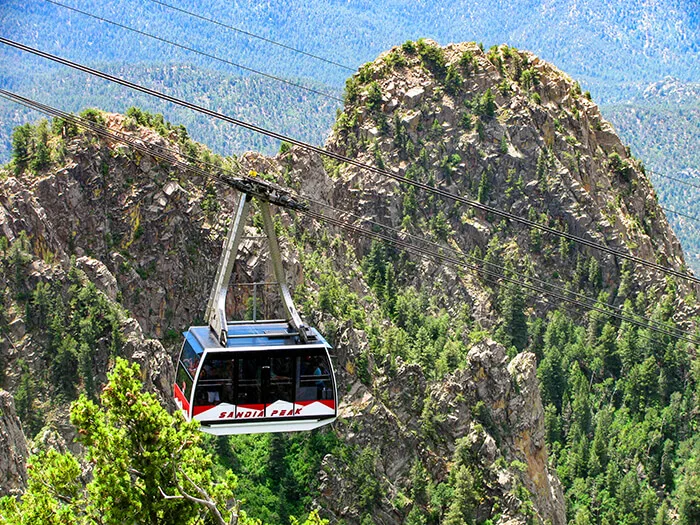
x=245 y=377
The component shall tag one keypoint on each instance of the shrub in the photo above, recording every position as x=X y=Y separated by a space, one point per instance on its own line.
x=433 y=57
x=409 y=47
x=374 y=96
x=93 y=115
x=468 y=62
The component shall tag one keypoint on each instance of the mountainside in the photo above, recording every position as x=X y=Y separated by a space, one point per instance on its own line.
x=464 y=398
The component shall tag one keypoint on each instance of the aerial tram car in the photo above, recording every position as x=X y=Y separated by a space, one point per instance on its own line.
x=245 y=377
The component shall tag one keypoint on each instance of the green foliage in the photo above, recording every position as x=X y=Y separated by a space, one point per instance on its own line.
x=614 y=414
x=26 y=400
x=361 y=470
x=63 y=128
x=529 y=78
x=30 y=147
x=514 y=329
x=395 y=59
x=484 y=105
x=21 y=144
x=147 y=467
x=278 y=473
x=41 y=155
x=453 y=79
x=285 y=147
x=620 y=168
x=467 y=487
x=76 y=323
x=94 y=116
x=210 y=202
x=155 y=121
x=665 y=133
x=688 y=496
x=503 y=147
x=467 y=120
x=374 y=96
x=433 y=57
x=484 y=187
x=409 y=47
x=495 y=57
x=378 y=268
x=352 y=90
x=468 y=62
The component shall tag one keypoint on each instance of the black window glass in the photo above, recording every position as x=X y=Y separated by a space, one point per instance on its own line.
x=189 y=359
x=249 y=380
x=281 y=379
x=184 y=380
x=215 y=381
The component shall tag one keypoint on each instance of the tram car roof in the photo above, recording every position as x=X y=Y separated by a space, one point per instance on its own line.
x=249 y=336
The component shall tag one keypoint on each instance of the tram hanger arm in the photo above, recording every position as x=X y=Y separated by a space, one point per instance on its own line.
x=292 y=314
x=216 y=307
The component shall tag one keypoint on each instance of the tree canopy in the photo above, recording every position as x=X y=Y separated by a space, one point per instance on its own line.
x=144 y=466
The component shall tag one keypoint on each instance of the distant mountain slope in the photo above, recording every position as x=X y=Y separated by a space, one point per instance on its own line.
x=283 y=108
x=607 y=42
x=663 y=128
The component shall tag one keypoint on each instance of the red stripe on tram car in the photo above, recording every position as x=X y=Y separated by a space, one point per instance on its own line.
x=180 y=396
x=250 y=411
x=330 y=403
x=198 y=409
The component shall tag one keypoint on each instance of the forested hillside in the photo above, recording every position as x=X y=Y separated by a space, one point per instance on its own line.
x=598 y=41
x=466 y=396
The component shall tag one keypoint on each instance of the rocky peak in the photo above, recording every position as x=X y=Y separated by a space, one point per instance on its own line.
x=510 y=130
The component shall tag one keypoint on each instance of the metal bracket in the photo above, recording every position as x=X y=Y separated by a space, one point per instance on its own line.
x=216 y=308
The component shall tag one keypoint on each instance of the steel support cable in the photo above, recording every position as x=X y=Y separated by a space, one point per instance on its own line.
x=199 y=52
x=443 y=258
x=347 y=160
x=253 y=35
x=674 y=212
x=692 y=185
x=171 y=156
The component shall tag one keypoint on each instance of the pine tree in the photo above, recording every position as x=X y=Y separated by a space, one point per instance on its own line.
x=21 y=146
x=148 y=467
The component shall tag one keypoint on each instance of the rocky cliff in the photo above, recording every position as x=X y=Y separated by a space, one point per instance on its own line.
x=426 y=394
